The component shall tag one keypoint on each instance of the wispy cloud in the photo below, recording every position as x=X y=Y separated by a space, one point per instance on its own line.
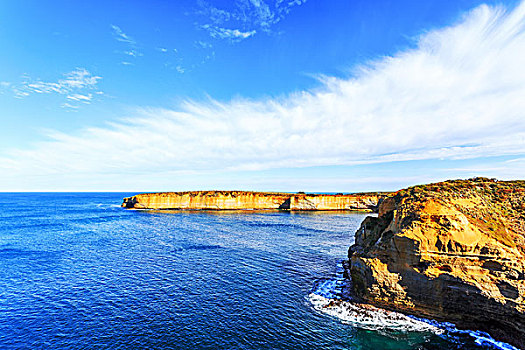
x=74 y=85
x=69 y=106
x=131 y=51
x=78 y=97
x=245 y=19
x=203 y=44
x=457 y=95
x=224 y=33
x=119 y=35
x=4 y=86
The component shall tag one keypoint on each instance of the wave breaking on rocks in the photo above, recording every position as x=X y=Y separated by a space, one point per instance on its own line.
x=333 y=297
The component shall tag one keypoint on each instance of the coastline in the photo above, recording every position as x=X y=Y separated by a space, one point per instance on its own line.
x=246 y=200
x=433 y=250
x=438 y=250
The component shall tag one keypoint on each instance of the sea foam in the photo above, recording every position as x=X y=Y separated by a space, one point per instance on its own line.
x=332 y=296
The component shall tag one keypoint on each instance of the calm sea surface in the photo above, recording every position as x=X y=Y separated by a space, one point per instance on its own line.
x=79 y=272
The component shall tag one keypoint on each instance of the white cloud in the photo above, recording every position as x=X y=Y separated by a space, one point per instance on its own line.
x=251 y=15
x=73 y=85
x=78 y=97
x=457 y=95
x=80 y=78
x=119 y=35
x=203 y=44
x=224 y=33
x=132 y=53
x=129 y=42
x=4 y=86
x=69 y=106
x=20 y=94
x=506 y=169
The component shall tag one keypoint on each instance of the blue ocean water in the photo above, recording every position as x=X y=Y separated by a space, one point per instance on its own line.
x=79 y=272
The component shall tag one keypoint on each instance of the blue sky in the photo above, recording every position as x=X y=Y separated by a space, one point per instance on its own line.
x=314 y=95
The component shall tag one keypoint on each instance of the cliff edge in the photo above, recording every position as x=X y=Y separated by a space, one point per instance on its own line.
x=451 y=251
x=245 y=200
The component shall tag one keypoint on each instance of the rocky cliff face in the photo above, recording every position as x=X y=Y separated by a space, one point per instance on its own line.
x=232 y=200
x=452 y=251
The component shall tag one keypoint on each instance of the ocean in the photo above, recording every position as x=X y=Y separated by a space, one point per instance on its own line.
x=79 y=272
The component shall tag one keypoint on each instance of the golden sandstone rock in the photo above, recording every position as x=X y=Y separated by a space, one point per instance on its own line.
x=243 y=200
x=452 y=251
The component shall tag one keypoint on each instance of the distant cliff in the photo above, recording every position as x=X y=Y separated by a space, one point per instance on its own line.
x=243 y=200
x=451 y=251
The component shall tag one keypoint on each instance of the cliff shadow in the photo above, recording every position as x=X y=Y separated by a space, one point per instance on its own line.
x=286 y=204
x=448 y=298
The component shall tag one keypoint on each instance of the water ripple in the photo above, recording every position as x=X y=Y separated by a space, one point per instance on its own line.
x=78 y=272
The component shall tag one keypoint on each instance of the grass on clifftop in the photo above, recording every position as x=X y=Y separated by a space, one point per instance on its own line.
x=501 y=209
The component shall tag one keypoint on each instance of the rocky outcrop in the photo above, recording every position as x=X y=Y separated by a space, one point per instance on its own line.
x=452 y=251
x=243 y=200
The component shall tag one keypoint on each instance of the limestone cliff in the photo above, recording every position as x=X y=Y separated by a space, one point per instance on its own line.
x=452 y=251
x=235 y=200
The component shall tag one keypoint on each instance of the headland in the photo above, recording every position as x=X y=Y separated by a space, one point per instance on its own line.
x=451 y=251
x=246 y=200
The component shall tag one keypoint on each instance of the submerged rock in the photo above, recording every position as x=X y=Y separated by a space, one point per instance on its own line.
x=452 y=251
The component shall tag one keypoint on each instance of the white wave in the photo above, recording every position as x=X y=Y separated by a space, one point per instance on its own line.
x=333 y=297
x=106 y=206
x=480 y=338
x=369 y=317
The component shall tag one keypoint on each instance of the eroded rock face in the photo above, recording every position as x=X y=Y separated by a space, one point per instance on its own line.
x=452 y=251
x=235 y=200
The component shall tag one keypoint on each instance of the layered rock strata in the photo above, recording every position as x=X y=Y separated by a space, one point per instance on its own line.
x=452 y=251
x=243 y=200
